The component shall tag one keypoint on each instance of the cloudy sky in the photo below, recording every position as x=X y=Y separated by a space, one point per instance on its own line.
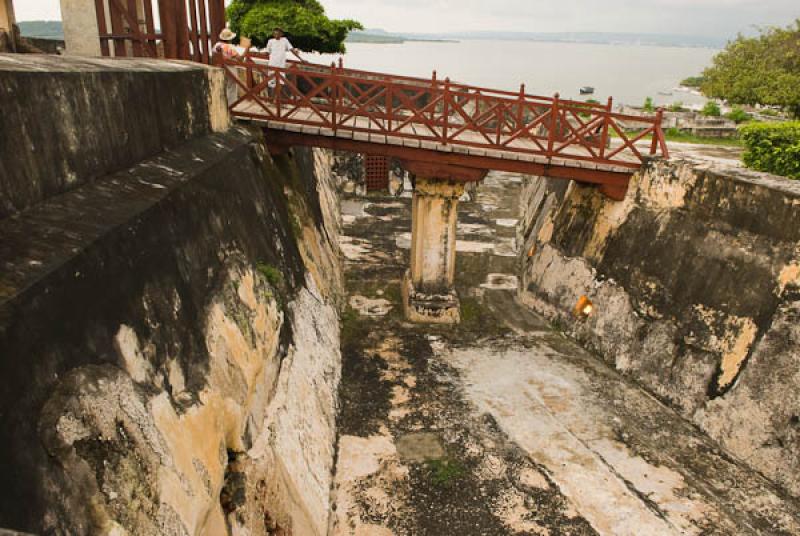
x=691 y=17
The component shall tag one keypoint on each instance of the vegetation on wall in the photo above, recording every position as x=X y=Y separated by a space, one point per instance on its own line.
x=711 y=109
x=304 y=21
x=759 y=70
x=773 y=147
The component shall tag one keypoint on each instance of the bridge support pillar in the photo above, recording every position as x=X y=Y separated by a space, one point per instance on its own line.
x=429 y=295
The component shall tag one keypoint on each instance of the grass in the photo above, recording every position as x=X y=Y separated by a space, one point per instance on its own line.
x=273 y=276
x=470 y=310
x=676 y=135
x=353 y=329
x=683 y=137
x=445 y=472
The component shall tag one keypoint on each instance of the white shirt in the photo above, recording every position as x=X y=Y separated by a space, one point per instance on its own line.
x=277 y=50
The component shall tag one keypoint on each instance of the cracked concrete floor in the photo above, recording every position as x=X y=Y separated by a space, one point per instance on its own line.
x=502 y=425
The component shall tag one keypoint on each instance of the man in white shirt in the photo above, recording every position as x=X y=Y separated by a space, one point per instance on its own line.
x=277 y=48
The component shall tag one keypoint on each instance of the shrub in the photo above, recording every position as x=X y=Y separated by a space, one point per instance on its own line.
x=773 y=147
x=676 y=107
x=711 y=109
x=693 y=81
x=738 y=115
x=648 y=105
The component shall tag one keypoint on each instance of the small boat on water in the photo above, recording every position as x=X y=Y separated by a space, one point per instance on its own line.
x=587 y=90
x=665 y=93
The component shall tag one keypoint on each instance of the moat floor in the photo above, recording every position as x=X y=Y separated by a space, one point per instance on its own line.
x=501 y=425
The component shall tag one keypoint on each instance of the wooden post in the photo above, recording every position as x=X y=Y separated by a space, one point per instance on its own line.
x=167 y=14
x=446 y=111
x=551 y=137
x=216 y=14
x=278 y=91
x=389 y=105
x=182 y=31
x=606 y=121
x=433 y=95
x=334 y=96
x=656 y=131
x=520 y=110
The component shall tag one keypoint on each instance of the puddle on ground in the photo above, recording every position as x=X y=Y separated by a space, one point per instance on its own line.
x=501 y=282
x=419 y=447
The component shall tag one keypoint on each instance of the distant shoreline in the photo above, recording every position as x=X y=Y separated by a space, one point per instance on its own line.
x=589 y=38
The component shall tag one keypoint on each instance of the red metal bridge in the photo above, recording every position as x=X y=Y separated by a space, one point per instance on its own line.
x=437 y=128
x=440 y=128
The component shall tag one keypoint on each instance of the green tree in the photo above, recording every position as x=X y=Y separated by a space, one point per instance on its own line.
x=648 y=105
x=758 y=70
x=304 y=21
x=711 y=109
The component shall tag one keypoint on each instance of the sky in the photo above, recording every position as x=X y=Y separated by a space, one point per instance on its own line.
x=718 y=18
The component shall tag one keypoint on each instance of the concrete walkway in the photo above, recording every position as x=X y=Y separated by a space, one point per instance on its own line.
x=501 y=425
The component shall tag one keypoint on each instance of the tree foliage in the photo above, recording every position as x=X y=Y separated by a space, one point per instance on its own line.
x=758 y=70
x=304 y=21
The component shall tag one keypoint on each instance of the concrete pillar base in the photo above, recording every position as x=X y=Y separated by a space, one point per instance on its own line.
x=430 y=308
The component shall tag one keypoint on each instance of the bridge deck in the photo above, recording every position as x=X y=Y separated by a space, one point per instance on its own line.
x=359 y=128
x=442 y=123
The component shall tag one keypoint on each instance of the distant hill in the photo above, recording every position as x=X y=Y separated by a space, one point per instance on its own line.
x=606 y=38
x=44 y=29
x=374 y=35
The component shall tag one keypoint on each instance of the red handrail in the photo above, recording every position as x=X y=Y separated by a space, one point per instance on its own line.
x=448 y=113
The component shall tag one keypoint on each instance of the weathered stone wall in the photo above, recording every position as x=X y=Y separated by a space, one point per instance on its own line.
x=170 y=344
x=695 y=282
x=64 y=122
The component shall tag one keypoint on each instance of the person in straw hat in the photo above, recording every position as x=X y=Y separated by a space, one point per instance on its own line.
x=225 y=46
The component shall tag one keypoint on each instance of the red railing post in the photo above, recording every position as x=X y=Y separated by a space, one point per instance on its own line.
x=250 y=78
x=606 y=122
x=446 y=109
x=278 y=91
x=433 y=94
x=334 y=95
x=657 y=131
x=389 y=105
x=520 y=109
x=551 y=136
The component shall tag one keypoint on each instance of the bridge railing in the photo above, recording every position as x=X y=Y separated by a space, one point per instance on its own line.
x=442 y=112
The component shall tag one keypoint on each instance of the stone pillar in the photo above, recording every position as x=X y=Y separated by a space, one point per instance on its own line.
x=428 y=291
x=81 y=33
x=7 y=19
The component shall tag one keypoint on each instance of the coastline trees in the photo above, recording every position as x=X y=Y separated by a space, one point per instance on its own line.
x=305 y=22
x=759 y=70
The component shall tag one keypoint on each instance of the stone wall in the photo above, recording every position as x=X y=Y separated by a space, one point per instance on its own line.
x=65 y=122
x=695 y=284
x=170 y=343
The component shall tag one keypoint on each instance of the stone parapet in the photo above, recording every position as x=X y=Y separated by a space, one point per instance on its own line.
x=67 y=121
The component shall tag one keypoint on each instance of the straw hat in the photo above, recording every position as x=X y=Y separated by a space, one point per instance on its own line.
x=226 y=35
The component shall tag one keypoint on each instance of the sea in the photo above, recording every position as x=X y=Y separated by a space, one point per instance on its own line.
x=629 y=73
